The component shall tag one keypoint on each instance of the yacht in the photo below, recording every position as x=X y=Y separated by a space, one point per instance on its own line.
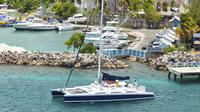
x=65 y=27
x=107 y=88
x=110 y=29
x=112 y=38
x=35 y=24
x=77 y=18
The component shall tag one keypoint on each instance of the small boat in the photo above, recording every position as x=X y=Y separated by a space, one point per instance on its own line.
x=9 y=23
x=35 y=24
x=65 y=27
x=77 y=18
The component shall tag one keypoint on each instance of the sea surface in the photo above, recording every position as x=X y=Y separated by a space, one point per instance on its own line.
x=36 y=40
x=27 y=88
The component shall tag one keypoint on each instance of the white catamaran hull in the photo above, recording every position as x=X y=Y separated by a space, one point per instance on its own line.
x=106 y=97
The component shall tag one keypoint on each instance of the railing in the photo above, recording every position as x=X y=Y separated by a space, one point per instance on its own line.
x=113 y=52
x=155 y=49
x=184 y=64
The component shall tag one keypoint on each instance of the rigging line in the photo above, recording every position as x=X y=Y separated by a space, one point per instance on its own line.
x=80 y=45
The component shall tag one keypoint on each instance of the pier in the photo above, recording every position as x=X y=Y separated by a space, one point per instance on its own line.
x=183 y=70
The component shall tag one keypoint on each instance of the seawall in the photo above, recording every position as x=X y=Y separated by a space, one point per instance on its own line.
x=173 y=57
x=65 y=59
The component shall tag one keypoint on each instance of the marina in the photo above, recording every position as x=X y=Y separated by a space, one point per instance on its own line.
x=99 y=56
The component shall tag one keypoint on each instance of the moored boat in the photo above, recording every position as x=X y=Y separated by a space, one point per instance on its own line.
x=35 y=24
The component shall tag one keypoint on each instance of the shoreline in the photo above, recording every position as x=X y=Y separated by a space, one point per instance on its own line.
x=163 y=61
x=63 y=59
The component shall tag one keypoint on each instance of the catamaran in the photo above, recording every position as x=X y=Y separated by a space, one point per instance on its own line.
x=106 y=88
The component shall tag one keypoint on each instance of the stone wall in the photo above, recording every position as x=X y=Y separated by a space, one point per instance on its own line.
x=65 y=59
x=173 y=57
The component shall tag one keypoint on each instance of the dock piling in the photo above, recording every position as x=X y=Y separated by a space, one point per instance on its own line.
x=175 y=77
x=183 y=71
x=169 y=75
x=181 y=77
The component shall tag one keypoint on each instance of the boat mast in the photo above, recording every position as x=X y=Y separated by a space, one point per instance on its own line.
x=100 y=42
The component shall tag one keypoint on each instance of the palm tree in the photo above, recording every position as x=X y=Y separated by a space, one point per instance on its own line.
x=186 y=28
x=123 y=4
x=134 y=7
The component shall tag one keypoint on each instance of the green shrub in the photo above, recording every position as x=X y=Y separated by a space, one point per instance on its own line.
x=169 y=49
x=127 y=26
x=89 y=48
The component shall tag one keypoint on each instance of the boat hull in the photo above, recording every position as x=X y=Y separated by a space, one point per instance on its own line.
x=2 y=22
x=57 y=93
x=33 y=27
x=105 y=98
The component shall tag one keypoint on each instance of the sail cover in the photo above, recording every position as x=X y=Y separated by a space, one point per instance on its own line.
x=107 y=77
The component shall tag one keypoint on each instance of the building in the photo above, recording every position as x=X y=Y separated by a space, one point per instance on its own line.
x=113 y=5
x=196 y=40
x=84 y=5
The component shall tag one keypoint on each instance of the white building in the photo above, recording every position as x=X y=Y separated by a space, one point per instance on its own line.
x=84 y=5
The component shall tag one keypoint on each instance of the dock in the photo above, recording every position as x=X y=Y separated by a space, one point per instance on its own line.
x=182 y=71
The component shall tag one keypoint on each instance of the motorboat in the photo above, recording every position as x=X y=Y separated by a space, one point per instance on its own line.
x=77 y=18
x=106 y=88
x=35 y=24
x=65 y=27
x=110 y=29
x=108 y=42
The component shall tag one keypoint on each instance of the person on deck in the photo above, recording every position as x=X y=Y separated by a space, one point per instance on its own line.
x=135 y=83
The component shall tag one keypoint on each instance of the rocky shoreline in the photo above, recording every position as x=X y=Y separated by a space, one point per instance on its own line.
x=64 y=59
x=173 y=57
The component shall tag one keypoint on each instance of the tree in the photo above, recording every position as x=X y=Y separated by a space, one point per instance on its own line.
x=165 y=6
x=98 y=9
x=194 y=10
x=147 y=3
x=89 y=48
x=172 y=3
x=123 y=4
x=158 y=6
x=2 y=1
x=186 y=28
x=65 y=9
x=75 y=41
x=25 y=5
x=134 y=7
x=152 y=15
x=169 y=49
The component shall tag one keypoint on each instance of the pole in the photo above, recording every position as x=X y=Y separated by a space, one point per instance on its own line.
x=100 y=43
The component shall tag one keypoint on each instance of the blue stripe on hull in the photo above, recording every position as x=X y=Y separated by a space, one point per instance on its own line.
x=57 y=93
x=98 y=98
x=34 y=29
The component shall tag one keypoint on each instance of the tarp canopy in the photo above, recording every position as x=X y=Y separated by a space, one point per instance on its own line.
x=107 y=77
x=2 y=16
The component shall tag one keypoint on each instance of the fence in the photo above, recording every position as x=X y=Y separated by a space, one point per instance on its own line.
x=113 y=52
x=184 y=64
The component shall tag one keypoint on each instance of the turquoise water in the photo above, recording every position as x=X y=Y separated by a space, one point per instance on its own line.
x=27 y=89
x=31 y=40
